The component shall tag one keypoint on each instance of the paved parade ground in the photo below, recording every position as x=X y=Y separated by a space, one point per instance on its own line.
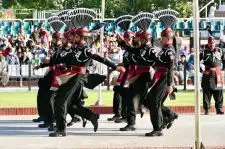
x=18 y=132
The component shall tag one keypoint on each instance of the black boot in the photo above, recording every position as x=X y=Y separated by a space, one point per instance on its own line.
x=121 y=120
x=168 y=122
x=219 y=112
x=94 y=121
x=206 y=111
x=44 y=125
x=113 y=118
x=52 y=127
x=37 y=120
x=58 y=133
x=154 y=133
x=84 y=122
x=128 y=128
x=74 y=120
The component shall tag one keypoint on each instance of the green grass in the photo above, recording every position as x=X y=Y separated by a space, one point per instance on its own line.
x=28 y=99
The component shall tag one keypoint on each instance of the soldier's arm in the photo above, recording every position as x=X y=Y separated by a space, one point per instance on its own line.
x=223 y=58
x=100 y=59
x=171 y=62
x=133 y=50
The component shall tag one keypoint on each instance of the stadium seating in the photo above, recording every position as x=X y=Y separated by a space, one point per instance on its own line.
x=183 y=26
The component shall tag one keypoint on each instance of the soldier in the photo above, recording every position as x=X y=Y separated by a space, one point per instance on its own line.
x=121 y=91
x=73 y=77
x=140 y=79
x=44 y=102
x=161 y=85
x=212 y=79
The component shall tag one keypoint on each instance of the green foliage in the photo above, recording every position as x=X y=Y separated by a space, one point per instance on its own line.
x=114 y=8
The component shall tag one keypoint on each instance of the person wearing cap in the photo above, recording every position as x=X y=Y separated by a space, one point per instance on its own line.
x=67 y=42
x=161 y=85
x=121 y=88
x=140 y=78
x=35 y=34
x=212 y=80
x=74 y=77
x=46 y=85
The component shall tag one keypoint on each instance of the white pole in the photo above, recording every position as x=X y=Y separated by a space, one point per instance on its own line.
x=99 y=101
x=197 y=78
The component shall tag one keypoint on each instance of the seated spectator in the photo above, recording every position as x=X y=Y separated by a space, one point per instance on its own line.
x=180 y=70
x=24 y=60
x=12 y=58
x=190 y=65
x=185 y=51
x=19 y=52
x=35 y=60
x=32 y=47
x=5 y=51
x=21 y=35
x=35 y=34
x=3 y=70
x=42 y=52
x=115 y=55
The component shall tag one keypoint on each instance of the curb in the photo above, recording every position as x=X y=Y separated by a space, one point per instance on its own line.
x=96 y=109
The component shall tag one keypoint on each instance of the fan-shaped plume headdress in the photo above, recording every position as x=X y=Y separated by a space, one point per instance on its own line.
x=167 y=17
x=124 y=22
x=56 y=23
x=81 y=17
x=65 y=17
x=143 y=20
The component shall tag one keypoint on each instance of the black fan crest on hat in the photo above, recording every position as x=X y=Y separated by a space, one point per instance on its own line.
x=81 y=17
x=55 y=23
x=124 y=22
x=167 y=17
x=143 y=20
x=65 y=17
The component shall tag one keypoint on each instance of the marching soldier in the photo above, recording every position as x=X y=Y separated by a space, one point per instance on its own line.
x=161 y=85
x=73 y=78
x=212 y=79
x=121 y=90
x=140 y=79
x=44 y=100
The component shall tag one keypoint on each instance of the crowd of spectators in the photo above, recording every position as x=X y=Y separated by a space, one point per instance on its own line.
x=23 y=50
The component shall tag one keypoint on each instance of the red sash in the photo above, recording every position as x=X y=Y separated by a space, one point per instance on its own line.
x=142 y=68
x=62 y=74
x=219 y=75
x=159 y=72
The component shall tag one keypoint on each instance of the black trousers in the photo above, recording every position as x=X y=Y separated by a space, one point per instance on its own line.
x=77 y=95
x=125 y=96
x=65 y=96
x=44 y=102
x=210 y=89
x=217 y=95
x=137 y=91
x=155 y=100
x=117 y=101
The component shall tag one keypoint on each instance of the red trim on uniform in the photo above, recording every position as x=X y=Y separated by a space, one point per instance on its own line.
x=167 y=32
x=82 y=31
x=219 y=75
x=73 y=31
x=145 y=35
x=142 y=68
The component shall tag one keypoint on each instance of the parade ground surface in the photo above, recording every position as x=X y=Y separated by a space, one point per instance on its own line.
x=18 y=132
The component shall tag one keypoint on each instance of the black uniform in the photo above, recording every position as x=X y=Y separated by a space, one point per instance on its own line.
x=121 y=91
x=78 y=57
x=163 y=77
x=212 y=81
x=145 y=57
x=44 y=97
